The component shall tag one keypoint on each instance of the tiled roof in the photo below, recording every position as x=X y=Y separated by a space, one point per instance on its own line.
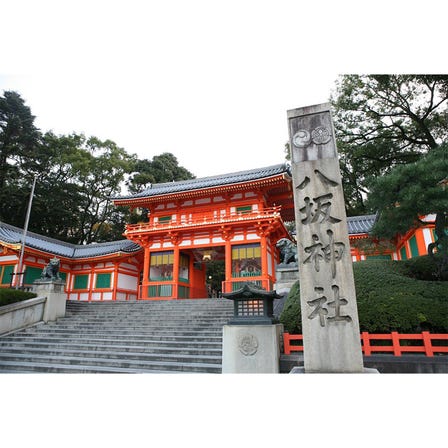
x=360 y=224
x=212 y=181
x=13 y=235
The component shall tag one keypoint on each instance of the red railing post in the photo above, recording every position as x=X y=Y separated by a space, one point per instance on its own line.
x=286 y=344
x=366 y=343
x=396 y=343
x=427 y=343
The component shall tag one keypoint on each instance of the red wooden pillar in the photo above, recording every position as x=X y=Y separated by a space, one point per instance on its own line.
x=115 y=284
x=274 y=260
x=228 y=258
x=421 y=245
x=176 y=264
x=91 y=278
x=264 y=262
x=146 y=264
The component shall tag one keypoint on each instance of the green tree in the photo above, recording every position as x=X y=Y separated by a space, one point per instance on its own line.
x=85 y=173
x=162 y=168
x=411 y=191
x=383 y=121
x=19 y=140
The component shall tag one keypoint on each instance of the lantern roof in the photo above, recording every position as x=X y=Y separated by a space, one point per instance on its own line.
x=251 y=291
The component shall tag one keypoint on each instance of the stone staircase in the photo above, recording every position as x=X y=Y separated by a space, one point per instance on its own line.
x=181 y=336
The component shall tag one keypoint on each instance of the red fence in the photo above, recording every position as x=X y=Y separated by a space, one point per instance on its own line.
x=427 y=347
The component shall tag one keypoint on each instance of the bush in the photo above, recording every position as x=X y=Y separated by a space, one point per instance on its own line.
x=388 y=300
x=423 y=268
x=8 y=296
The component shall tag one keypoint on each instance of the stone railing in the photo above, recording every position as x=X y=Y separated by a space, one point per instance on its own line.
x=48 y=306
x=17 y=316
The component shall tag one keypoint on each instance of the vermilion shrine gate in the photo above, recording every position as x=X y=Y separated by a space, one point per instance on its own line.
x=237 y=217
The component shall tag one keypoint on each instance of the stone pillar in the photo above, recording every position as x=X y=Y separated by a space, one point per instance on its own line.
x=53 y=290
x=331 y=335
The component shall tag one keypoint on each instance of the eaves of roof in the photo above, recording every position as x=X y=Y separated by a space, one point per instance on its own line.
x=360 y=224
x=13 y=235
x=221 y=180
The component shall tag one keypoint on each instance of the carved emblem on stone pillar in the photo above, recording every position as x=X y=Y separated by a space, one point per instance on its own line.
x=302 y=138
x=320 y=135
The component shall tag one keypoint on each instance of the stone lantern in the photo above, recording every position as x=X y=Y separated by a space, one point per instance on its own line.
x=252 y=337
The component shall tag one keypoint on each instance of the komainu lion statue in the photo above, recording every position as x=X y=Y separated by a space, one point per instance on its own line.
x=288 y=251
x=51 y=270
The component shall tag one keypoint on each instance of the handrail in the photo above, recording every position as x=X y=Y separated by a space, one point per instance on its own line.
x=366 y=338
x=199 y=219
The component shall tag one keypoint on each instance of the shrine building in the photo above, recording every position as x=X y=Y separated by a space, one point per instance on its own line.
x=234 y=218
x=237 y=217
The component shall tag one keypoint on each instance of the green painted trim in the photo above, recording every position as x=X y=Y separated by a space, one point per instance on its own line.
x=81 y=281
x=380 y=257
x=103 y=280
x=244 y=209
x=5 y=274
x=403 y=253
x=31 y=274
x=413 y=246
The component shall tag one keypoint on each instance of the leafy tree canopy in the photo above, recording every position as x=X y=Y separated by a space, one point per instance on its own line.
x=162 y=168
x=383 y=121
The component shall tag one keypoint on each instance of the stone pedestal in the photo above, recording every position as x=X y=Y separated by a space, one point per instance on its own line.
x=286 y=276
x=53 y=290
x=251 y=348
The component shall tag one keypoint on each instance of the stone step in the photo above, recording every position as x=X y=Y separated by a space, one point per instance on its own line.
x=163 y=315
x=154 y=347
x=126 y=332
x=128 y=344
x=110 y=362
x=168 y=340
x=123 y=338
x=106 y=327
x=33 y=367
x=10 y=353
x=141 y=321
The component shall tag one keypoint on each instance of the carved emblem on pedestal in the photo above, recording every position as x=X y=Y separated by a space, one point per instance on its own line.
x=248 y=344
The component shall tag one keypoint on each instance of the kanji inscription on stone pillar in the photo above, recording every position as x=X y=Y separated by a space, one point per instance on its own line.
x=331 y=336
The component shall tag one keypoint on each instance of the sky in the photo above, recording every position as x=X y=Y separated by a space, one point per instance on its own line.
x=209 y=81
